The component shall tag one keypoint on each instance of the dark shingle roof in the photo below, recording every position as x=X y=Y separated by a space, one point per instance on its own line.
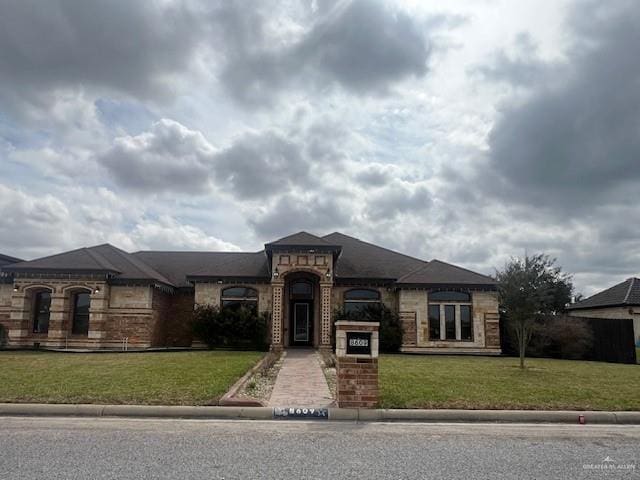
x=301 y=239
x=441 y=273
x=364 y=260
x=356 y=260
x=99 y=259
x=622 y=294
x=177 y=266
x=7 y=260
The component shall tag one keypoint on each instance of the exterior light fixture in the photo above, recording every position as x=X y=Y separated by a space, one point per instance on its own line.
x=328 y=274
x=97 y=290
x=219 y=281
x=15 y=288
x=276 y=273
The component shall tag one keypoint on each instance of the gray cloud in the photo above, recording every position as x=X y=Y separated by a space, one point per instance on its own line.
x=169 y=157
x=524 y=68
x=119 y=45
x=315 y=214
x=398 y=198
x=576 y=144
x=360 y=45
x=258 y=166
x=172 y=158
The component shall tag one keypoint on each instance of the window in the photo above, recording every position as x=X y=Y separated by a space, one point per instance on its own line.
x=80 y=319
x=450 y=316
x=465 y=322
x=301 y=289
x=235 y=298
x=434 y=322
x=450 y=322
x=357 y=300
x=446 y=296
x=41 y=310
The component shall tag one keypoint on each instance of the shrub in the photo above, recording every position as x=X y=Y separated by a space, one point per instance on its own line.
x=561 y=337
x=3 y=335
x=390 y=326
x=242 y=328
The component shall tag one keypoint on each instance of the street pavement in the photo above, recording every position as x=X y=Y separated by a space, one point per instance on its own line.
x=110 y=448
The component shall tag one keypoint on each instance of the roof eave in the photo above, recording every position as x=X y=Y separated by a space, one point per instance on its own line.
x=599 y=307
x=472 y=286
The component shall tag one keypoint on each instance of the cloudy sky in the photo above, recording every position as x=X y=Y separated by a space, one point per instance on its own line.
x=465 y=131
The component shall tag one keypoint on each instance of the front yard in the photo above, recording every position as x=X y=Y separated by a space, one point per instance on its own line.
x=166 y=378
x=413 y=381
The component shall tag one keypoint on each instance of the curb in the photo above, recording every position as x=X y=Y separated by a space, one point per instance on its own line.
x=335 y=414
x=229 y=399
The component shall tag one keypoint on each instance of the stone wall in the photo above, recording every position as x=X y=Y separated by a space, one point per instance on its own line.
x=173 y=322
x=6 y=289
x=413 y=309
x=211 y=294
x=59 y=335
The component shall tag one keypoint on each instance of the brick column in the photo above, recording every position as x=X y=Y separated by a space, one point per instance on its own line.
x=325 y=316
x=19 y=318
x=276 y=317
x=357 y=371
x=57 y=331
x=98 y=311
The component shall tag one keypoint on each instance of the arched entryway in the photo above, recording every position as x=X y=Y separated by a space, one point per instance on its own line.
x=301 y=309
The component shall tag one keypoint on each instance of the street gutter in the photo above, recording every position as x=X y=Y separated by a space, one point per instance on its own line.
x=334 y=414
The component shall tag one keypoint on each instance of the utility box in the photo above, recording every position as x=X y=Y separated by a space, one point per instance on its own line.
x=357 y=364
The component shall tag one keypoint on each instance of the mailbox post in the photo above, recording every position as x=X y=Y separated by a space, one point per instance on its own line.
x=357 y=364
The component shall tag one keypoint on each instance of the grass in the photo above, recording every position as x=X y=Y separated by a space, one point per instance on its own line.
x=163 y=378
x=411 y=381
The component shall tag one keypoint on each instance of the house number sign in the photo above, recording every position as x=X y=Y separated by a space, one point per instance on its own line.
x=358 y=343
x=300 y=412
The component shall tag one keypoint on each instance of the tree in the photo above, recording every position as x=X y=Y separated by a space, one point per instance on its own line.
x=529 y=289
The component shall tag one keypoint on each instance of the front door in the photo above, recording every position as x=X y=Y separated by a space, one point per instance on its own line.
x=302 y=323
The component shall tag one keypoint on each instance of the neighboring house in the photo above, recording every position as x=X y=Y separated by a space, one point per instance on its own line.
x=620 y=301
x=99 y=296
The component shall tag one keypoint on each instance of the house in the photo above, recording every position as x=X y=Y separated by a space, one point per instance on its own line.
x=101 y=296
x=620 y=301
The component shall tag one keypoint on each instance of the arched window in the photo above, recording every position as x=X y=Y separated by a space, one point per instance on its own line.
x=357 y=300
x=301 y=289
x=80 y=313
x=235 y=298
x=41 y=311
x=450 y=316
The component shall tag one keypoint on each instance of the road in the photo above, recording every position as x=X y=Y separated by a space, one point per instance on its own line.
x=105 y=448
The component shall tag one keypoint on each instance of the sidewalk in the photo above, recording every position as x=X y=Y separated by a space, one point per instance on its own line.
x=301 y=382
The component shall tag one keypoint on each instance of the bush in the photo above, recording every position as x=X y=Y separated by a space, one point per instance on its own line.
x=242 y=328
x=3 y=335
x=390 y=326
x=561 y=337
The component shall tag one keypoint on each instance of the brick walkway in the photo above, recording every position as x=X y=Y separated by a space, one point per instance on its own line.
x=301 y=381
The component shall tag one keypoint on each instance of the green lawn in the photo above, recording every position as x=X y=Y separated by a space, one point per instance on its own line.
x=163 y=378
x=412 y=381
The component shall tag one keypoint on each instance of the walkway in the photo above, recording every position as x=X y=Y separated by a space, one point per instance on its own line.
x=301 y=382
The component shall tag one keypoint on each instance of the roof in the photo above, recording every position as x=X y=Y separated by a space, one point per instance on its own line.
x=7 y=260
x=302 y=239
x=355 y=260
x=437 y=272
x=179 y=266
x=626 y=293
x=360 y=259
x=104 y=258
